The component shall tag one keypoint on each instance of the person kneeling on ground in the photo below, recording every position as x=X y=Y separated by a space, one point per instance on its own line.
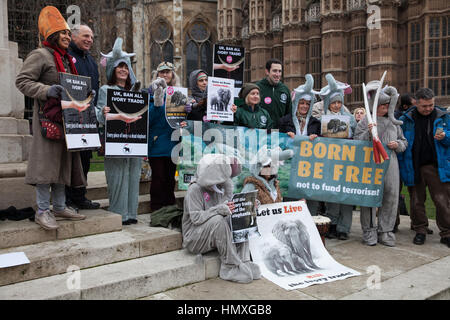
x=205 y=225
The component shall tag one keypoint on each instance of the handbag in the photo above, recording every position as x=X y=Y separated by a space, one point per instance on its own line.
x=50 y=129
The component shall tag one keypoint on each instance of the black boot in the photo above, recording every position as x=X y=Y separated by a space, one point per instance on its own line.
x=332 y=233
x=402 y=206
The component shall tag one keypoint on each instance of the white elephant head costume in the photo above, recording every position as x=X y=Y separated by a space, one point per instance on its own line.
x=333 y=89
x=117 y=56
x=306 y=92
x=388 y=94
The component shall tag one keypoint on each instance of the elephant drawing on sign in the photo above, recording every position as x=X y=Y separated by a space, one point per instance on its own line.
x=336 y=125
x=280 y=260
x=295 y=235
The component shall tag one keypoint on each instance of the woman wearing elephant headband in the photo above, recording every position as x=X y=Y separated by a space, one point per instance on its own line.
x=205 y=224
x=333 y=99
x=302 y=123
x=391 y=134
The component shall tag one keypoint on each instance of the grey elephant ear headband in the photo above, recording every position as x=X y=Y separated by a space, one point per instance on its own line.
x=306 y=89
x=117 y=52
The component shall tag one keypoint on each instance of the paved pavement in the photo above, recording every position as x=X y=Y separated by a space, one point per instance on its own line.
x=408 y=272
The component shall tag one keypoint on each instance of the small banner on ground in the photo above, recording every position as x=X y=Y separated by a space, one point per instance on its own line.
x=220 y=99
x=243 y=217
x=290 y=252
x=229 y=63
x=80 y=121
x=126 y=126
x=176 y=100
x=336 y=170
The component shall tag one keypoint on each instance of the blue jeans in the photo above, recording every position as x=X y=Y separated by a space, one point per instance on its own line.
x=58 y=195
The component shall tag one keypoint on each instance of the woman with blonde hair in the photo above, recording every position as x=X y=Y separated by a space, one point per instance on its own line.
x=359 y=113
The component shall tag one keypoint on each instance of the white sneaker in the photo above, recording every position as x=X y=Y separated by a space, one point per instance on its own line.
x=70 y=214
x=46 y=220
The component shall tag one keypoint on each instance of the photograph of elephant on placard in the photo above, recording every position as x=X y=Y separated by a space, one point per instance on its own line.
x=335 y=126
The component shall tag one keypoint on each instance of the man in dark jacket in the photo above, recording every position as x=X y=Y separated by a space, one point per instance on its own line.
x=275 y=96
x=82 y=40
x=425 y=163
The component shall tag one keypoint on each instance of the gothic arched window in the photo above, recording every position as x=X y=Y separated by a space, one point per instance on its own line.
x=161 y=47
x=198 y=48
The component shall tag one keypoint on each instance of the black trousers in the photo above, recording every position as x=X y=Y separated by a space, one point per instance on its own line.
x=79 y=194
x=162 y=187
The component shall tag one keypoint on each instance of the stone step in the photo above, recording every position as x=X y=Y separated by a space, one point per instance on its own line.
x=13 y=170
x=144 y=202
x=55 y=257
x=25 y=232
x=99 y=191
x=130 y=279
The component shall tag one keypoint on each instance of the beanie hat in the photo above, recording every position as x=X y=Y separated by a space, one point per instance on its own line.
x=246 y=88
x=51 y=21
x=335 y=97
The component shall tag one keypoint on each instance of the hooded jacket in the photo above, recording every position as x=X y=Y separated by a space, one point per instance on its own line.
x=275 y=99
x=405 y=159
x=290 y=123
x=198 y=95
x=202 y=201
x=335 y=87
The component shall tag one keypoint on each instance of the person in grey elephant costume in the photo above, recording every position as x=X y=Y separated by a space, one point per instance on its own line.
x=391 y=134
x=205 y=223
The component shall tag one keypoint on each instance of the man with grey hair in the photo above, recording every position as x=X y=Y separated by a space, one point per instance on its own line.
x=82 y=40
x=425 y=163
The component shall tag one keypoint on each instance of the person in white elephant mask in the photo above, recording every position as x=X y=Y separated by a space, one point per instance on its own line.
x=391 y=134
x=205 y=224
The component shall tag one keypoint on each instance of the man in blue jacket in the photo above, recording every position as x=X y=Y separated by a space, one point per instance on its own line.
x=426 y=162
x=82 y=40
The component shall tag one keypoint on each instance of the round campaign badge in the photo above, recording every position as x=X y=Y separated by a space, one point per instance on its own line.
x=206 y=196
x=229 y=59
x=268 y=100
x=170 y=91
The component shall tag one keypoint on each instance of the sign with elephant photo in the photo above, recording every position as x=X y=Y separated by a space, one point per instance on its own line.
x=290 y=252
x=176 y=100
x=220 y=99
x=243 y=218
x=335 y=126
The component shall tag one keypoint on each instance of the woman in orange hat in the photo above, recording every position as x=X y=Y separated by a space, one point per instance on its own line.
x=50 y=165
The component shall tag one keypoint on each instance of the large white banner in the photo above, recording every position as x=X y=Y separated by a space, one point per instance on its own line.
x=290 y=252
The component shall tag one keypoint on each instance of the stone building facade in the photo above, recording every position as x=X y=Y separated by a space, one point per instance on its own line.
x=355 y=40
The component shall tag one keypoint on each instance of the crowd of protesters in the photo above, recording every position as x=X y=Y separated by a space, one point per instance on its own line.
x=417 y=133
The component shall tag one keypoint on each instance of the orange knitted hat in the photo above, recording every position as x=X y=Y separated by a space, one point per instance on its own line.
x=51 y=21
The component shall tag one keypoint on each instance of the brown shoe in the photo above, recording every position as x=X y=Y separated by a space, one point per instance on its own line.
x=69 y=214
x=46 y=220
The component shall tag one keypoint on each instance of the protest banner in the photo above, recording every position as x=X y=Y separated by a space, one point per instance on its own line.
x=78 y=110
x=176 y=100
x=336 y=170
x=229 y=62
x=126 y=125
x=200 y=138
x=220 y=99
x=290 y=252
x=243 y=217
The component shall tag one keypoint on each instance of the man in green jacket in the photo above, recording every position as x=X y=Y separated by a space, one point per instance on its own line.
x=275 y=96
